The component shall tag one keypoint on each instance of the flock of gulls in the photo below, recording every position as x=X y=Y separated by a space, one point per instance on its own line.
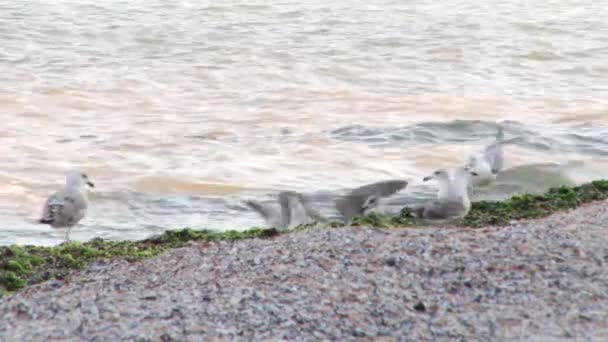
x=67 y=207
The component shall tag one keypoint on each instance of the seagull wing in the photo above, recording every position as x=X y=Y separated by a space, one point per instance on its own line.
x=380 y=189
x=301 y=210
x=64 y=208
x=270 y=215
x=53 y=208
x=494 y=156
x=352 y=204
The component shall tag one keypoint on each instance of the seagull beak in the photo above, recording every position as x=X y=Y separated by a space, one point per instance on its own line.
x=89 y=183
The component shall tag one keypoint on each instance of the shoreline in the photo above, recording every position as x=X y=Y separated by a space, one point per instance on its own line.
x=542 y=279
x=25 y=265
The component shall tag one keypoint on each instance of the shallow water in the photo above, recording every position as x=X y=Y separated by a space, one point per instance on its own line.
x=181 y=110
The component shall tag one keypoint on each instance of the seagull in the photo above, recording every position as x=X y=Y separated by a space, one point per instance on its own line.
x=452 y=198
x=294 y=210
x=362 y=200
x=65 y=208
x=488 y=162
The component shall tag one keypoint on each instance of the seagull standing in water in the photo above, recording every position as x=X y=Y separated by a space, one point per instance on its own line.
x=452 y=198
x=65 y=208
x=488 y=162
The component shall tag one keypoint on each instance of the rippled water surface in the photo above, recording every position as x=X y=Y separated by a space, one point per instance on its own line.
x=179 y=110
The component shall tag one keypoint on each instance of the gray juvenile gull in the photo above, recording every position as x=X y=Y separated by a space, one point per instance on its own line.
x=294 y=210
x=67 y=207
x=488 y=162
x=362 y=200
x=452 y=198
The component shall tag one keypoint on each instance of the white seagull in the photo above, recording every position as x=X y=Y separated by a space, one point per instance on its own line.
x=452 y=198
x=65 y=208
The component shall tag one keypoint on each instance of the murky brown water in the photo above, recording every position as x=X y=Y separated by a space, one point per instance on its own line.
x=179 y=110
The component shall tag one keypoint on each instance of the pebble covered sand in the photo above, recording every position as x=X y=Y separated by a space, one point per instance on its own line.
x=542 y=280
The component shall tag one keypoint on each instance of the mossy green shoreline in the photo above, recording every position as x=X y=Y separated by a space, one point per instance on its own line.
x=24 y=265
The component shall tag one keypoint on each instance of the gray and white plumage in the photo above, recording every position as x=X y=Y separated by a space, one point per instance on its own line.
x=362 y=200
x=452 y=197
x=441 y=210
x=67 y=207
x=488 y=162
x=294 y=210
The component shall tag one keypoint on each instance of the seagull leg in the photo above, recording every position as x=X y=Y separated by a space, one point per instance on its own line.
x=67 y=234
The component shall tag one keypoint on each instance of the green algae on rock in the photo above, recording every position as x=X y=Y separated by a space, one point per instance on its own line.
x=529 y=206
x=23 y=265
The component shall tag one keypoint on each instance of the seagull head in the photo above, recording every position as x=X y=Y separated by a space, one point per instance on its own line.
x=78 y=179
x=370 y=203
x=439 y=175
